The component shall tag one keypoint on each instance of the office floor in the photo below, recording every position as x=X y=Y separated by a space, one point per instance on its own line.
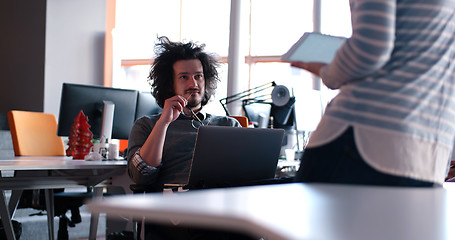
x=35 y=227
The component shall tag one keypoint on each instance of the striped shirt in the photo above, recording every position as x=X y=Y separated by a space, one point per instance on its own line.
x=396 y=76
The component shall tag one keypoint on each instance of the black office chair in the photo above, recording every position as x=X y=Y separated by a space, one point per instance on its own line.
x=63 y=202
x=142 y=189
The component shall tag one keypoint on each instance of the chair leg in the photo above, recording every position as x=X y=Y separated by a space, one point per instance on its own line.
x=49 y=196
x=135 y=230
x=75 y=216
x=63 y=228
x=137 y=227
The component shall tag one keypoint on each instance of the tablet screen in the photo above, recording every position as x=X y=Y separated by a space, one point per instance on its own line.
x=314 y=47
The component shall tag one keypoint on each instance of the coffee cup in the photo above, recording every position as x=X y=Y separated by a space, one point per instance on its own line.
x=113 y=151
x=102 y=149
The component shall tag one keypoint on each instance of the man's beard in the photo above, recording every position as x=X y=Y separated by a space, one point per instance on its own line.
x=193 y=102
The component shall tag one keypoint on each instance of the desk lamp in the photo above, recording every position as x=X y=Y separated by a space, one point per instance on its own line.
x=280 y=96
x=282 y=104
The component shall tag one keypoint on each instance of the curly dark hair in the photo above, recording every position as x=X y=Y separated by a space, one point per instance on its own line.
x=161 y=73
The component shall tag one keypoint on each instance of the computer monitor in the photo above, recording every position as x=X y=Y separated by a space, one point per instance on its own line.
x=146 y=105
x=90 y=99
x=257 y=113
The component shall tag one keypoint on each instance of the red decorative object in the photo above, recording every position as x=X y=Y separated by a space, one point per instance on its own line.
x=80 y=138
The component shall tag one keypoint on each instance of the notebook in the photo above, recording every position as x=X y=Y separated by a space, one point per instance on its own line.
x=314 y=47
x=229 y=156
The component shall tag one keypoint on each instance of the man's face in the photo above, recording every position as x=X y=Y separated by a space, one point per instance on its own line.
x=189 y=79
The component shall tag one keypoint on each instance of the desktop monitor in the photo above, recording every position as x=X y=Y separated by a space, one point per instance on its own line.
x=90 y=99
x=257 y=113
x=146 y=105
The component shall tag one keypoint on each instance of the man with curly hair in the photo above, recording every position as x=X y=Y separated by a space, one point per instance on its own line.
x=183 y=79
x=160 y=147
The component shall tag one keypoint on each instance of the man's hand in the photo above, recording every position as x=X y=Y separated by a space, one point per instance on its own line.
x=152 y=150
x=172 y=108
x=313 y=67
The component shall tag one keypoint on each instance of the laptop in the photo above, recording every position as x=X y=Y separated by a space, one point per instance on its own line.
x=230 y=156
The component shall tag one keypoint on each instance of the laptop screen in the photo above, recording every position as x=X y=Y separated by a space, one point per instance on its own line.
x=228 y=156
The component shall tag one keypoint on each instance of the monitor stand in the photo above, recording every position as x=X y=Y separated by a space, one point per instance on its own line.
x=107 y=122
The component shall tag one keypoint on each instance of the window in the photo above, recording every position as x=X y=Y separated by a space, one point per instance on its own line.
x=268 y=29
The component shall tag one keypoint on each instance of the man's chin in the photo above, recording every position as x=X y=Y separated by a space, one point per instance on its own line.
x=194 y=104
x=195 y=101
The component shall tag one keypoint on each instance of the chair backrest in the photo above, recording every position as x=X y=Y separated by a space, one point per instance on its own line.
x=35 y=134
x=242 y=120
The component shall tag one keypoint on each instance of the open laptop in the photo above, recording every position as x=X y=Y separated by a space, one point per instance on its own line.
x=229 y=156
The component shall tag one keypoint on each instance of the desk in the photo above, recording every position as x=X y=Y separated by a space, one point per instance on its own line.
x=20 y=173
x=302 y=211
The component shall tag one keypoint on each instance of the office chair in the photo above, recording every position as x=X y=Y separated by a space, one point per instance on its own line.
x=35 y=134
x=242 y=120
x=143 y=189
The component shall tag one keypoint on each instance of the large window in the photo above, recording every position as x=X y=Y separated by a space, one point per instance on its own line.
x=268 y=29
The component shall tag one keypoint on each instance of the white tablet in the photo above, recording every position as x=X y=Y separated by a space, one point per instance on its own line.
x=314 y=47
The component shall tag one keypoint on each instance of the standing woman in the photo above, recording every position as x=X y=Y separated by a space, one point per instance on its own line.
x=393 y=121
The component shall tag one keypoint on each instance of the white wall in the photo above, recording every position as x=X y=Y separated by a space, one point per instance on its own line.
x=74 y=46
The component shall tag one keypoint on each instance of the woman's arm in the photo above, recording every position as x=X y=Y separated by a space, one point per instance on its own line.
x=368 y=49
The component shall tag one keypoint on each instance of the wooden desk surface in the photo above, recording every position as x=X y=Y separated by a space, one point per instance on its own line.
x=303 y=211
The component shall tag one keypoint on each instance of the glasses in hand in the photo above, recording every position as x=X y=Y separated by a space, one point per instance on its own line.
x=196 y=124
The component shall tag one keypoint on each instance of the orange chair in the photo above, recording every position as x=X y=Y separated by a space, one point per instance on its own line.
x=242 y=120
x=123 y=144
x=35 y=134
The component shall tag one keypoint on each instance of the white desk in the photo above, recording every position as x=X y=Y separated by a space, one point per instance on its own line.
x=20 y=173
x=302 y=211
